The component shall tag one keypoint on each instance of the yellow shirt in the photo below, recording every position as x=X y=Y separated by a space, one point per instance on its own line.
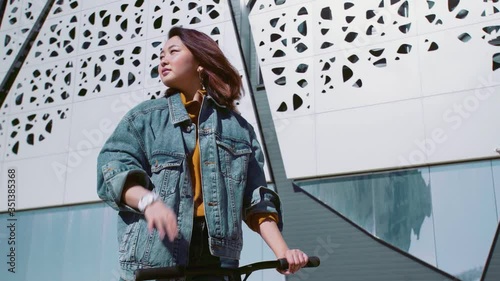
x=193 y=108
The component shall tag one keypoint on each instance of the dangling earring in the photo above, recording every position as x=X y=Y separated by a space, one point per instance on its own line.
x=200 y=69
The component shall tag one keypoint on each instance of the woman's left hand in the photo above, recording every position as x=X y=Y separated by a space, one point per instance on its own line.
x=296 y=260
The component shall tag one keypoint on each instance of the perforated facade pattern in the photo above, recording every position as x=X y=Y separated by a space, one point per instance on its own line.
x=379 y=84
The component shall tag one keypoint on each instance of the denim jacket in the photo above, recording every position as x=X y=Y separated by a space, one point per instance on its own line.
x=152 y=144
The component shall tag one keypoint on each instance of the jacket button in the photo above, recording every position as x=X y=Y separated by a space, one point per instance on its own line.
x=212 y=204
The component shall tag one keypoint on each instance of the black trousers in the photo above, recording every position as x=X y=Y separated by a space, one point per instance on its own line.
x=199 y=252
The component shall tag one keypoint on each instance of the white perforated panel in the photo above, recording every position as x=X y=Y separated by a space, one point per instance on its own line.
x=283 y=34
x=338 y=59
x=442 y=15
x=37 y=133
x=18 y=19
x=38 y=87
x=20 y=13
x=11 y=41
x=111 y=25
x=57 y=40
x=291 y=85
x=367 y=75
x=109 y=72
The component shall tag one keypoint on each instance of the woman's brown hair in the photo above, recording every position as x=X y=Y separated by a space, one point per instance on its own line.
x=220 y=78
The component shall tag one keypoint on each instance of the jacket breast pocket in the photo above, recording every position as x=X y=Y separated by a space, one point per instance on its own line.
x=233 y=158
x=165 y=170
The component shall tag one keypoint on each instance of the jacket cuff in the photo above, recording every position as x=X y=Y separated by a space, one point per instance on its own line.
x=116 y=175
x=264 y=200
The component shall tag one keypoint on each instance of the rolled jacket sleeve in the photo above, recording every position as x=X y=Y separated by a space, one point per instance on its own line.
x=258 y=197
x=122 y=158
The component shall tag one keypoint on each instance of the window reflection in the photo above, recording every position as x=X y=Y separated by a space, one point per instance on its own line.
x=392 y=206
x=404 y=212
x=352 y=197
x=444 y=215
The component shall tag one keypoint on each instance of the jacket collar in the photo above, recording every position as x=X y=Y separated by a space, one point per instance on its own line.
x=209 y=97
x=177 y=109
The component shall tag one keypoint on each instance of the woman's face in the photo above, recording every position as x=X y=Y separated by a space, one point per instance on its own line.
x=178 y=67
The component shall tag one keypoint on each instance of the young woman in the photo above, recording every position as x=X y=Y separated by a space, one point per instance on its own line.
x=185 y=170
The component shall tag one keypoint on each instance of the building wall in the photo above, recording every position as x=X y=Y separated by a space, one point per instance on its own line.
x=359 y=86
x=347 y=251
x=381 y=110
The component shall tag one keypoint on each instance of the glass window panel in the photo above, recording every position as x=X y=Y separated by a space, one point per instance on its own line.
x=422 y=244
x=22 y=240
x=495 y=167
x=465 y=217
x=109 y=247
x=350 y=196
x=53 y=244
x=403 y=212
x=83 y=246
x=46 y=244
x=394 y=206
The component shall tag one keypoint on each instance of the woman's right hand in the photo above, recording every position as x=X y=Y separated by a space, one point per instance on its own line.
x=161 y=217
